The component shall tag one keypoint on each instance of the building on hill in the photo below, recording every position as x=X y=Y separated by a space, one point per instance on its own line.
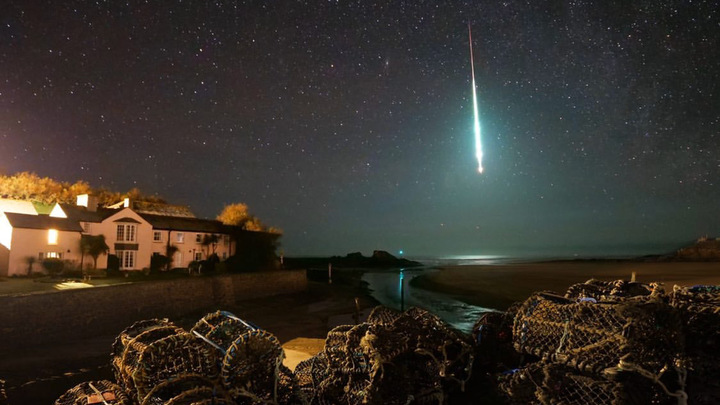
x=134 y=236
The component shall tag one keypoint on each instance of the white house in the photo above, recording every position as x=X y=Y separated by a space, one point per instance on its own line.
x=133 y=235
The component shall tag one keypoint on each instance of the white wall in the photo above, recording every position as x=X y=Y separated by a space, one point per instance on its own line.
x=30 y=242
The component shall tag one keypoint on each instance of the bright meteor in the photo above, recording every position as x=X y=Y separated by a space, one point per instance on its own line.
x=478 y=140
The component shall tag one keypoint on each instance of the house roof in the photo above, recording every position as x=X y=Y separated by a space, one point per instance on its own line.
x=82 y=214
x=155 y=208
x=42 y=222
x=17 y=206
x=185 y=224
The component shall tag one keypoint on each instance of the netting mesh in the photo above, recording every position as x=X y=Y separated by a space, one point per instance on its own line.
x=552 y=383
x=253 y=364
x=394 y=358
x=221 y=328
x=610 y=290
x=132 y=342
x=595 y=336
x=173 y=356
x=94 y=392
x=187 y=389
x=700 y=312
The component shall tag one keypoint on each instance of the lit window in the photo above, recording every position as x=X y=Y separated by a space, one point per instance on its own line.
x=53 y=255
x=52 y=237
x=180 y=237
x=157 y=236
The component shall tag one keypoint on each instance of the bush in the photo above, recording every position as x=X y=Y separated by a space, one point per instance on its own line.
x=113 y=266
x=158 y=263
x=53 y=266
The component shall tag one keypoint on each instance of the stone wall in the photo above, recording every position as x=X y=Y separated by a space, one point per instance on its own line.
x=33 y=319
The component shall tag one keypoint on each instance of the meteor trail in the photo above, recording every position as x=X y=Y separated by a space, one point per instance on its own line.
x=478 y=141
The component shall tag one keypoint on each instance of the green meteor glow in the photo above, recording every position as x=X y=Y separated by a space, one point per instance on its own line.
x=476 y=126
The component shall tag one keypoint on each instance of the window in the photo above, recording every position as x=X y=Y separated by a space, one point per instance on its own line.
x=226 y=240
x=224 y=255
x=127 y=259
x=41 y=256
x=180 y=237
x=53 y=255
x=86 y=227
x=157 y=236
x=126 y=233
x=52 y=237
x=198 y=256
x=198 y=238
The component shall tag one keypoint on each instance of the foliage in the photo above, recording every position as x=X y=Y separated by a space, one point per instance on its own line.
x=93 y=245
x=158 y=263
x=29 y=186
x=30 y=260
x=254 y=251
x=53 y=266
x=210 y=241
x=238 y=215
x=113 y=265
x=170 y=251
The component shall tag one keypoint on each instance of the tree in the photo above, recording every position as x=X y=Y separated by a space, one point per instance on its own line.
x=210 y=241
x=238 y=215
x=170 y=251
x=234 y=214
x=93 y=245
x=30 y=260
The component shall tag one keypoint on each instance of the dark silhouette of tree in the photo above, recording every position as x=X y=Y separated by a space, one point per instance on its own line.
x=209 y=241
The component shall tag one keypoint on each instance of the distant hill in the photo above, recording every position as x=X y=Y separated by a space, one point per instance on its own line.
x=704 y=249
x=379 y=259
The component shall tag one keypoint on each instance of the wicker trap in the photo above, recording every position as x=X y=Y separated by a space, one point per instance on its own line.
x=594 y=336
x=101 y=392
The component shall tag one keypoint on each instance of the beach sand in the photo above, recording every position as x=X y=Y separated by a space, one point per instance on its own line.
x=498 y=286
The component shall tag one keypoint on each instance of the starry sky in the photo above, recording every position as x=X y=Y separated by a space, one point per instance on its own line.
x=348 y=124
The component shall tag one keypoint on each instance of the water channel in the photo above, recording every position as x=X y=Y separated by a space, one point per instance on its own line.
x=391 y=287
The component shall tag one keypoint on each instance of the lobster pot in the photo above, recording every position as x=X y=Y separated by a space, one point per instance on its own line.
x=132 y=342
x=519 y=386
x=610 y=290
x=171 y=357
x=594 y=336
x=552 y=384
x=252 y=368
x=492 y=339
x=700 y=313
x=187 y=389
x=221 y=328
x=397 y=358
x=94 y=392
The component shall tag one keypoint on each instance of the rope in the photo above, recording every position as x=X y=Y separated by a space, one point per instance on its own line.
x=680 y=394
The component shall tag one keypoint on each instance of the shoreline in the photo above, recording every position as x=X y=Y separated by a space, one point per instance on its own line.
x=497 y=286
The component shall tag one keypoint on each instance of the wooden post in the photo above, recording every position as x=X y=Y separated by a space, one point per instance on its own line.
x=329 y=273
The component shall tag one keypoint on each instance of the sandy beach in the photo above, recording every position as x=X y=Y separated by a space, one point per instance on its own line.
x=498 y=286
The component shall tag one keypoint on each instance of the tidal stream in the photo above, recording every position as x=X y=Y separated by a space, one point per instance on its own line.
x=391 y=287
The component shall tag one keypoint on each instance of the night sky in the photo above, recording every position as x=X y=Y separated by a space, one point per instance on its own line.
x=348 y=124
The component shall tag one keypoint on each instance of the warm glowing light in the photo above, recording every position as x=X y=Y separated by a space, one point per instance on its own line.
x=52 y=236
x=476 y=126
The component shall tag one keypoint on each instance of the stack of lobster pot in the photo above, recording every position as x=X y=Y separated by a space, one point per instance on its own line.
x=151 y=352
x=699 y=308
x=251 y=370
x=393 y=358
x=95 y=392
x=601 y=344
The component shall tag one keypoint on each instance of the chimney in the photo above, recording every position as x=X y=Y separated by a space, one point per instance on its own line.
x=126 y=203
x=88 y=201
